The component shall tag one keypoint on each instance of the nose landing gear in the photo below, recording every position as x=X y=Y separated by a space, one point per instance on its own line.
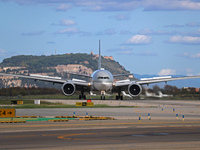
x=103 y=95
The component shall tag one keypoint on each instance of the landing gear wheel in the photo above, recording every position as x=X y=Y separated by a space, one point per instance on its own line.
x=103 y=98
x=84 y=97
x=121 y=97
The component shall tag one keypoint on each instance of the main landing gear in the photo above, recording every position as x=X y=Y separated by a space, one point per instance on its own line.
x=82 y=95
x=119 y=97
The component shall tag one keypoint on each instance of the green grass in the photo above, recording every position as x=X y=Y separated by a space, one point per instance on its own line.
x=28 y=106
x=6 y=103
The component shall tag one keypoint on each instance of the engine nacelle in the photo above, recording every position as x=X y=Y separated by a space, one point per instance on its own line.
x=68 y=88
x=134 y=89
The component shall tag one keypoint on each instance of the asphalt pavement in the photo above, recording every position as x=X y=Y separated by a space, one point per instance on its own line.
x=158 y=128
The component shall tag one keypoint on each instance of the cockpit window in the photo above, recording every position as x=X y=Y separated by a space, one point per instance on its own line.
x=103 y=77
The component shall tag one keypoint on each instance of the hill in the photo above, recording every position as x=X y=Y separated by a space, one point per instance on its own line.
x=54 y=65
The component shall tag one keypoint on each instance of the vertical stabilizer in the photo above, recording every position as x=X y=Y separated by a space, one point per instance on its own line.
x=99 y=65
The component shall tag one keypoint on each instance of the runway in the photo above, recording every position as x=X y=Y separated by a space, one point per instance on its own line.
x=163 y=131
x=111 y=138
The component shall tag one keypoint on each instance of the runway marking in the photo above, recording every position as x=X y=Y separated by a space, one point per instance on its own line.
x=51 y=134
x=69 y=135
x=18 y=136
x=97 y=124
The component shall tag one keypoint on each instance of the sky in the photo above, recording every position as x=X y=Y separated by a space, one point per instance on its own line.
x=159 y=37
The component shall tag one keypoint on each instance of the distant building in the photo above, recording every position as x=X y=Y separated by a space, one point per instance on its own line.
x=97 y=56
x=108 y=57
x=75 y=68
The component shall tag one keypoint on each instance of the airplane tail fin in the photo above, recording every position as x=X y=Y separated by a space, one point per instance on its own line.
x=99 y=63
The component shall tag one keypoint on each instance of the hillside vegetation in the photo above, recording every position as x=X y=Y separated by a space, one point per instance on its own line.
x=40 y=63
x=46 y=65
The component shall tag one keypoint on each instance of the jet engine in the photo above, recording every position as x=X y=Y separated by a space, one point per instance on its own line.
x=134 y=89
x=68 y=88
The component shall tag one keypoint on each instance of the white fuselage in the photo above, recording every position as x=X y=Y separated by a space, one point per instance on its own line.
x=102 y=80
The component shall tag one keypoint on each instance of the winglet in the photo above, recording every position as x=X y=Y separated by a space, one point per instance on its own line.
x=99 y=65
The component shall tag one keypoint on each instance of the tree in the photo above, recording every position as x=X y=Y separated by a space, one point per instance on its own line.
x=156 y=89
x=168 y=89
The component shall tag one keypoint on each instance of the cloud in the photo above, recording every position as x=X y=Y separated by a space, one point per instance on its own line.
x=171 y=5
x=191 y=56
x=139 y=40
x=193 y=24
x=165 y=72
x=33 y=33
x=63 y=7
x=184 y=40
x=121 y=17
x=67 y=22
x=165 y=32
x=69 y=31
x=117 y=5
x=156 y=32
x=189 y=24
x=123 y=50
x=72 y=31
x=174 y=25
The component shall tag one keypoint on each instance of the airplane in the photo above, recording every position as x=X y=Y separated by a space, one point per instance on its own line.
x=160 y=94
x=102 y=81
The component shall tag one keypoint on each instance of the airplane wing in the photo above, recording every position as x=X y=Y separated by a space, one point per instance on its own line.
x=164 y=79
x=40 y=78
x=134 y=87
x=152 y=80
x=49 y=79
x=68 y=86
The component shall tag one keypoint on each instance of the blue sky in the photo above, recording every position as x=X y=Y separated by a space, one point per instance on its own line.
x=145 y=36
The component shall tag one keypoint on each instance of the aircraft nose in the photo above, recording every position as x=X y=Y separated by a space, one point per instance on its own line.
x=103 y=86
